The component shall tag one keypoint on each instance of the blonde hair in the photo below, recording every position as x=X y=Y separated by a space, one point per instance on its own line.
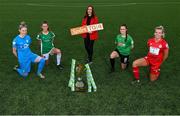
x=161 y=28
x=22 y=25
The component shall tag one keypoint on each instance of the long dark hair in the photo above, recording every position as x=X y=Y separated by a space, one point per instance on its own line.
x=93 y=12
x=124 y=25
x=45 y=22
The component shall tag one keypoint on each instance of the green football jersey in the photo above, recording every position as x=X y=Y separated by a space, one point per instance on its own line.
x=127 y=45
x=46 y=42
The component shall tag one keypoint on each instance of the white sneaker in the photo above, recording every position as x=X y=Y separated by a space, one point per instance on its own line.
x=41 y=76
x=15 y=67
x=135 y=82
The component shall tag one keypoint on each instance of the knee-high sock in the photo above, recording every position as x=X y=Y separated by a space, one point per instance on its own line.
x=136 y=73
x=22 y=73
x=112 y=60
x=41 y=66
x=58 y=58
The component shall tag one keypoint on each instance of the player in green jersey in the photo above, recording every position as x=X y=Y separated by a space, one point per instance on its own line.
x=46 y=38
x=124 y=45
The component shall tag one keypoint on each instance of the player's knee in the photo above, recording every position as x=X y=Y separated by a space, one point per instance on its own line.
x=134 y=64
x=25 y=75
x=42 y=60
x=58 y=51
x=154 y=78
x=123 y=67
x=154 y=75
x=112 y=55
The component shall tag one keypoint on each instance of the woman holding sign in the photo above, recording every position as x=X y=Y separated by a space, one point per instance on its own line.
x=89 y=19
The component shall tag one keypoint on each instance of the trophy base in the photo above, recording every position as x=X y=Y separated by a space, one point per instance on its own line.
x=78 y=89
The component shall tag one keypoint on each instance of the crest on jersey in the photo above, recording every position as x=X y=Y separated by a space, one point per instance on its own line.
x=160 y=46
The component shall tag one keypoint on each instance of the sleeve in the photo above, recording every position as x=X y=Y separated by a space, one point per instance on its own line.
x=53 y=35
x=131 y=42
x=38 y=37
x=14 y=45
x=96 y=20
x=165 y=45
x=30 y=40
x=83 y=22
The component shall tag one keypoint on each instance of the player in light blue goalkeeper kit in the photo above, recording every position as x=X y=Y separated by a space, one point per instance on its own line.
x=25 y=56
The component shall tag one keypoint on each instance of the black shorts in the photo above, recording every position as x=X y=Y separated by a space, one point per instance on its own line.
x=124 y=59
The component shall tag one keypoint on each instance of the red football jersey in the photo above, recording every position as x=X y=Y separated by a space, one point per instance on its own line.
x=156 y=49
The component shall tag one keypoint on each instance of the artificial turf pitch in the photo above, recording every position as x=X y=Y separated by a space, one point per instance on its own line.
x=115 y=94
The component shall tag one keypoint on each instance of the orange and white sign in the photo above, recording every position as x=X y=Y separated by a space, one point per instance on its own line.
x=86 y=29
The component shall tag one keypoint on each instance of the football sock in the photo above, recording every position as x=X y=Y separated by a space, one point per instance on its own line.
x=136 y=73
x=58 y=58
x=41 y=66
x=112 y=60
x=22 y=73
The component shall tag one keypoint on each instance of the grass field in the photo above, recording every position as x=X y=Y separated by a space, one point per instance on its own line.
x=115 y=94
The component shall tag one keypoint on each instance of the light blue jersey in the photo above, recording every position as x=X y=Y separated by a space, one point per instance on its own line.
x=22 y=47
x=25 y=56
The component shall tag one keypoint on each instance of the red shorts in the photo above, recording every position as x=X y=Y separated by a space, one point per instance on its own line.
x=154 y=65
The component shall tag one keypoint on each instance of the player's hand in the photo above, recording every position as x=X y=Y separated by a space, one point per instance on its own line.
x=121 y=44
x=42 y=56
x=132 y=47
x=90 y=32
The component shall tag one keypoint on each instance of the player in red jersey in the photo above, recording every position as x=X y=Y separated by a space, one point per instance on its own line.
x=158 y=53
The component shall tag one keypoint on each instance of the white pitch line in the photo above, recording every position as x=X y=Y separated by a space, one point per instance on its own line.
x=105 y=4
x=97 y=5
x=94 y=4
